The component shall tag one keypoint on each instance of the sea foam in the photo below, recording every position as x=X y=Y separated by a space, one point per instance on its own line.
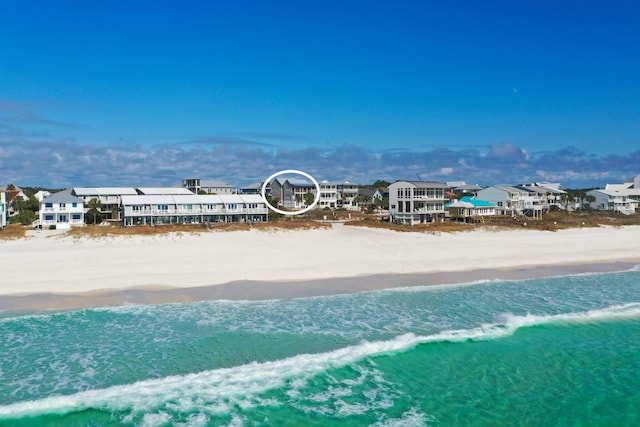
x=218 y=391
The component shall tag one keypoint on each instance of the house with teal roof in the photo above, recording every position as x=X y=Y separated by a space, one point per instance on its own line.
x=470 y=209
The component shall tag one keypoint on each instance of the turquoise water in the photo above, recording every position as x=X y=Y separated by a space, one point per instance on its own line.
x=556 y=351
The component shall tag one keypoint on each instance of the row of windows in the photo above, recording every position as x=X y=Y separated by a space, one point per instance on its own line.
x=165 y=208
x=418 y=193
x=75 y=217
x=430 y=207
x=62 y=205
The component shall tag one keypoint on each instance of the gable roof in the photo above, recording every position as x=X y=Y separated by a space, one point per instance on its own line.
x=62 y=197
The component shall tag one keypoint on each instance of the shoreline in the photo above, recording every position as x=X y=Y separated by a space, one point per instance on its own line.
x=246 y=290
x=52 y=271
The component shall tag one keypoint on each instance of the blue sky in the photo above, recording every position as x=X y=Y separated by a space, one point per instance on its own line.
x=139 y=93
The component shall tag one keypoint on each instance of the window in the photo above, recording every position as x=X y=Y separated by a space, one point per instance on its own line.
x=48 y=217
x=163 y=208
x=48 y=205
x=74 y=205
x=76 y=217
x=63 y=205
x=136 y=208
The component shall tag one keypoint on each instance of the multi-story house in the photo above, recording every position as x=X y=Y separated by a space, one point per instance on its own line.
x=61 y=211
x=414 y=202
x=291 y=192
x=208 y=186
x=347 y=193
x=509 y=200
x=109 y=198
x=154 y=209
x=623 y=198
x=550 y=194
x=328 y=195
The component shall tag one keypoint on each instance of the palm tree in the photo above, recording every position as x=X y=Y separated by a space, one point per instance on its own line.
x=94 y=206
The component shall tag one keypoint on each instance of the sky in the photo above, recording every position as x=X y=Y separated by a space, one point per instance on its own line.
x=148 y=93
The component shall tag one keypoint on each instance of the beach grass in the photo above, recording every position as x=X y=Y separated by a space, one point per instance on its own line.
x=12 y=232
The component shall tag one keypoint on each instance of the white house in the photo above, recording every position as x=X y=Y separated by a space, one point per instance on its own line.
x=40 y=195
x=613 y=200
x=208 y=186
x=412 y=202
x=192 y=209
x=109 y=198
x=622 y=198
x=509 y=200
x=328 y=195
x=61 y=211
x=347 y=193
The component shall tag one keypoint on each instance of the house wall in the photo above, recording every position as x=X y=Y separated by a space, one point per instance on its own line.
x=61 y=215
x=498 y=197
x=328 y=195
x=410 y=204
x=143 y=210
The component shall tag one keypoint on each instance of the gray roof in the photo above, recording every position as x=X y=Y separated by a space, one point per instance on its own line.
x=103 y=191
x=62 y=197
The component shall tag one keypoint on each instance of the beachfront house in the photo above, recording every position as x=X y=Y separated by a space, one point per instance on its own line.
x=291 y=192
x=328 y=195
x=550 y=195
x=470 y=209
x=208 y=186
x=509 y=200
x=61 y=211
x=347 y=194
x=155 y=209
x=109 y=198
x=415 y=202
x=622 y=198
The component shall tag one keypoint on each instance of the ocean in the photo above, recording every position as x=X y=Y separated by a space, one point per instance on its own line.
x=561 y=351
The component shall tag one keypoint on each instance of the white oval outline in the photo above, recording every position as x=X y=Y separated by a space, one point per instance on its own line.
x=291 y=171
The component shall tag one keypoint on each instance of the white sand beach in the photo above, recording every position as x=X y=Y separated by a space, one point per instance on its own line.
x=50 y=263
